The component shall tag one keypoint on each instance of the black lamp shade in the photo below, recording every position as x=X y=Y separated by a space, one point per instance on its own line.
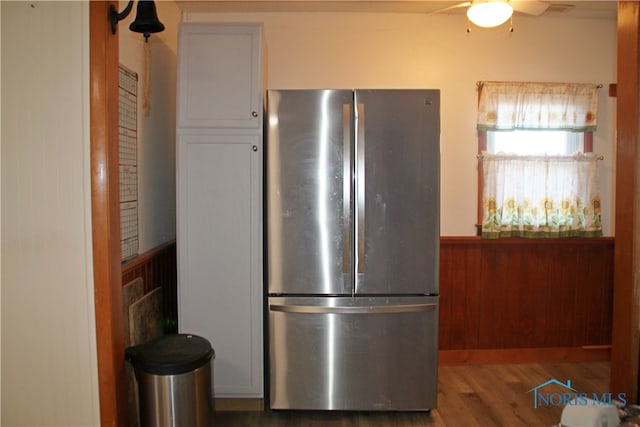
x=146 y=21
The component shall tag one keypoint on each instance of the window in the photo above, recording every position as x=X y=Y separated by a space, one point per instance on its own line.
x=537 y=175
x=526 y=142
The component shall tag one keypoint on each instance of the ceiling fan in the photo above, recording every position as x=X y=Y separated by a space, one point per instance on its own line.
x=492 y=13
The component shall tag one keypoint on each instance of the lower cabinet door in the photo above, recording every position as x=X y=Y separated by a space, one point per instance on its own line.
x=219 y=242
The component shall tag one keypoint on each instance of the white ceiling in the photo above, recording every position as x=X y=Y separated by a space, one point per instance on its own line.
x=585 y=8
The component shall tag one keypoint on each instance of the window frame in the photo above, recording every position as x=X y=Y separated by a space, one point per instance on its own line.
x=482 y=146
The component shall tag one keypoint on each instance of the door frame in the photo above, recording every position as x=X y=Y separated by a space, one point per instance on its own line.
x=105 y=214
x=625 y=343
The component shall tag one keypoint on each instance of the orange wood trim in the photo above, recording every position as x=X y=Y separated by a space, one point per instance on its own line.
x=522 y=355
x=105 y=215
x=588 y=142
x=482 y=146
x=624 y=354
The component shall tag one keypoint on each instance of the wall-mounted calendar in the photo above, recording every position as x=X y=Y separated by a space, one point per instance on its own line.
x=128 y=143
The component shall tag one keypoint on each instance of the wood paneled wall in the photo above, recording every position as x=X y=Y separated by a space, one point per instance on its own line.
x=158 y=267
x=509 y=300
x=525 y=294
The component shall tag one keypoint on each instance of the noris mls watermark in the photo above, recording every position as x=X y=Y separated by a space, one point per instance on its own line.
x=570 y=396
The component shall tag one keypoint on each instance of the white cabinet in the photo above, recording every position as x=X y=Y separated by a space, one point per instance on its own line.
x=219 y=200
x=220 y=69
x=220 y=251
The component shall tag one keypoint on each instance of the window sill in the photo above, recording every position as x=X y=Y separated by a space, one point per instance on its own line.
x=565 y=241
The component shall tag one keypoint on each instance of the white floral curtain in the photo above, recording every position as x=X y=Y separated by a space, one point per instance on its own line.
x=541 y=196
x=523 y=105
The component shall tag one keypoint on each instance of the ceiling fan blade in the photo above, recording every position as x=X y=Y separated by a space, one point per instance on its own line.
x=529 y=7
x=455 y=6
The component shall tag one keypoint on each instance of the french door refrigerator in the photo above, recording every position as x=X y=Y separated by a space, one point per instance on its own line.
x=352 y=229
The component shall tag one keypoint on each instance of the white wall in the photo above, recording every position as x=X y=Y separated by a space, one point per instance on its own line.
x=156 y=127
x=49 y=365
x=375 y=50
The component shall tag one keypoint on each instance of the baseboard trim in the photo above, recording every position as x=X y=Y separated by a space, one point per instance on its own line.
x=524 y=355
x=226 y=404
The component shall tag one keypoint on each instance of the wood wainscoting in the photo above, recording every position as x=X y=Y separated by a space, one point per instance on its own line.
x=501 y=301
x=525 y=300
x=157 y=267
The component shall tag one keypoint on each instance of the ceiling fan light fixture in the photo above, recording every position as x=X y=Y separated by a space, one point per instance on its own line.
x=489 y=13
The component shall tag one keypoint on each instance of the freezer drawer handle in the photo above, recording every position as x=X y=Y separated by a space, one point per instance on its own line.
x=310 y=309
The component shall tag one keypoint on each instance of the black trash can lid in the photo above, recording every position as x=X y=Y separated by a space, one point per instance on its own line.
x=170 y=354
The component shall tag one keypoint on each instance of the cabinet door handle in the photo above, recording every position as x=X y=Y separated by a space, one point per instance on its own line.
x=254 y=114
x=254 y=148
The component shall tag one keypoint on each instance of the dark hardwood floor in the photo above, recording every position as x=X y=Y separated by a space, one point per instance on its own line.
x=479 y=395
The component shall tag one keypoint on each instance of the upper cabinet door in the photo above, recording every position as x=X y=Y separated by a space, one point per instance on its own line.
x=220 y=75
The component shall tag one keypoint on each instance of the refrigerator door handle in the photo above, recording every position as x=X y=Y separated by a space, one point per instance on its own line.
x=376 y=309
x=360 y=142
x=346 y=199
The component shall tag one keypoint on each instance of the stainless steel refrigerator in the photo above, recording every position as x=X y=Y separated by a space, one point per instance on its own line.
x=352 y=229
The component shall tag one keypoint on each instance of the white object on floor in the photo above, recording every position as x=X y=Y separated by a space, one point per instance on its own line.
x=584 y=412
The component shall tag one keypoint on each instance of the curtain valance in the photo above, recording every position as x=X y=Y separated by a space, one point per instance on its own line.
x=536 y=106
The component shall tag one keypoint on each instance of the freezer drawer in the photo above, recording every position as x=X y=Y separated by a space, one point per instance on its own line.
x=344 y=353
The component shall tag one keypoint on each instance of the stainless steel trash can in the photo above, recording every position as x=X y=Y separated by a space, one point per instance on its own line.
x=174 y=380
